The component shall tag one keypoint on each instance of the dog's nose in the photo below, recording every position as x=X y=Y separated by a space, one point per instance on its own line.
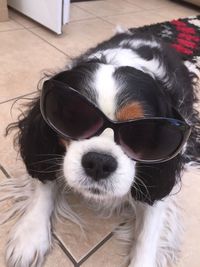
x=98 y=166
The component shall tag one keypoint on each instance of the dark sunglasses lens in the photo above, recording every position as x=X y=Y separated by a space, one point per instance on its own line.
x=70 y=114
x=151 y=140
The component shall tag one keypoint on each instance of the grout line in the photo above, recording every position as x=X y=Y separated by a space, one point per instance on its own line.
x=98 y=246
x=39 y=25
x=90 y=253
x=18 y=97
x=103 y=18
x=77 y=20
x=25 y=27
x=116 y=14
x=80 y=20
x=65 y=250
x=129 y=12
x=90 y=19
x=87 y=11
x=48 y=42
x=110 y=23
x=12 y=30
x=66 y=54
x=4 y=171
x=23 y=16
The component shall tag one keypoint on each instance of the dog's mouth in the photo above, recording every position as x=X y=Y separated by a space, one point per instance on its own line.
x=96 y=191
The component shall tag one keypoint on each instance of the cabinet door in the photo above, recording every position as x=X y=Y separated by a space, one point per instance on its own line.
x=50 y=13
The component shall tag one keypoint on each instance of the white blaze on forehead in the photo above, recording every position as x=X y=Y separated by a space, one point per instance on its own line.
x=106 y=89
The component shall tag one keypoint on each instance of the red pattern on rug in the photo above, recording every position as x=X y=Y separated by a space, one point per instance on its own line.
x=182 y=34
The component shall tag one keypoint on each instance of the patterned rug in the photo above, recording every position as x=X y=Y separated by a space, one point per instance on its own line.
x=183 y=35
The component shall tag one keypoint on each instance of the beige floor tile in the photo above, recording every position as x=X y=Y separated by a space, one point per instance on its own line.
x=10 y=25
x=57 y=258
x=190 y=194
x=76 y=13
x=2 y=175
x=3 y=232
x=190 y=202
x=191 y=246
x=106 y=8
x=97 y=228
x=108 y=255
x=176 y=11
x=150 y=4
x=135 y=19
x=78 y=36
x=3 y=237
x=24 y=58
x=21 y=19
x=9 y=157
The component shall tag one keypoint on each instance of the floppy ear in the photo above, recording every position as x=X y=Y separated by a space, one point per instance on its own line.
x=154 y=182
x=38 y=144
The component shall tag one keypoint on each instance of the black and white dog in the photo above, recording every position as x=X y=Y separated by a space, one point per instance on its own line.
x=118 y=125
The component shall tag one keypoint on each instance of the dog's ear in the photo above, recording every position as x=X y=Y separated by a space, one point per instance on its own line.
x=39 y=146
x=154 y=182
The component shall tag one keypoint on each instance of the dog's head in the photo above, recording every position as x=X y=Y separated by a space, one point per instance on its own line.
x=114 y=126
x=100 y=164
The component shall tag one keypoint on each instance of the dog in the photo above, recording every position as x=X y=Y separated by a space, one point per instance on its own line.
x=119 y=125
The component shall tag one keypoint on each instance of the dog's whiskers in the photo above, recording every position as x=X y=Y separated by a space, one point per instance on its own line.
x=139 y=181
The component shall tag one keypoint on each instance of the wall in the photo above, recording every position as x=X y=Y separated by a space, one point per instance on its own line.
x=3 y=10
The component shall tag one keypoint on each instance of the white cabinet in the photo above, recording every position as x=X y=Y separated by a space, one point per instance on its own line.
x=53 y=14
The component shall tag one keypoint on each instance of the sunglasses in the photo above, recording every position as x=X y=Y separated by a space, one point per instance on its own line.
x=146 y=140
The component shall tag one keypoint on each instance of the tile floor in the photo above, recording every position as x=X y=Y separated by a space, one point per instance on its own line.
x=27 y=50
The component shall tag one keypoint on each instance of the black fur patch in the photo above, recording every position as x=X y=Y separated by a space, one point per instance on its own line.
x=155 y=181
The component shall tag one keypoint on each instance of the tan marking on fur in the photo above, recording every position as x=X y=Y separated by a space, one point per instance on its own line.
x=131 y=111
x=64 y=142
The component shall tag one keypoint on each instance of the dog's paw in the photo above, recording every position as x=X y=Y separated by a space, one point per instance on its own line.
x=28 y=244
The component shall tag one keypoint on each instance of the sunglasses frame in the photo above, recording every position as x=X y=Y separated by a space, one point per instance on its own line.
x=114 y=125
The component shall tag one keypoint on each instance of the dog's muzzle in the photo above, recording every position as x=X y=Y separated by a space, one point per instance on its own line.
x=98 y=167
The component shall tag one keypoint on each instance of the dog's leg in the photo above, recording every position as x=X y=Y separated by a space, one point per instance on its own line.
x=157 y=234
x=30 y=238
